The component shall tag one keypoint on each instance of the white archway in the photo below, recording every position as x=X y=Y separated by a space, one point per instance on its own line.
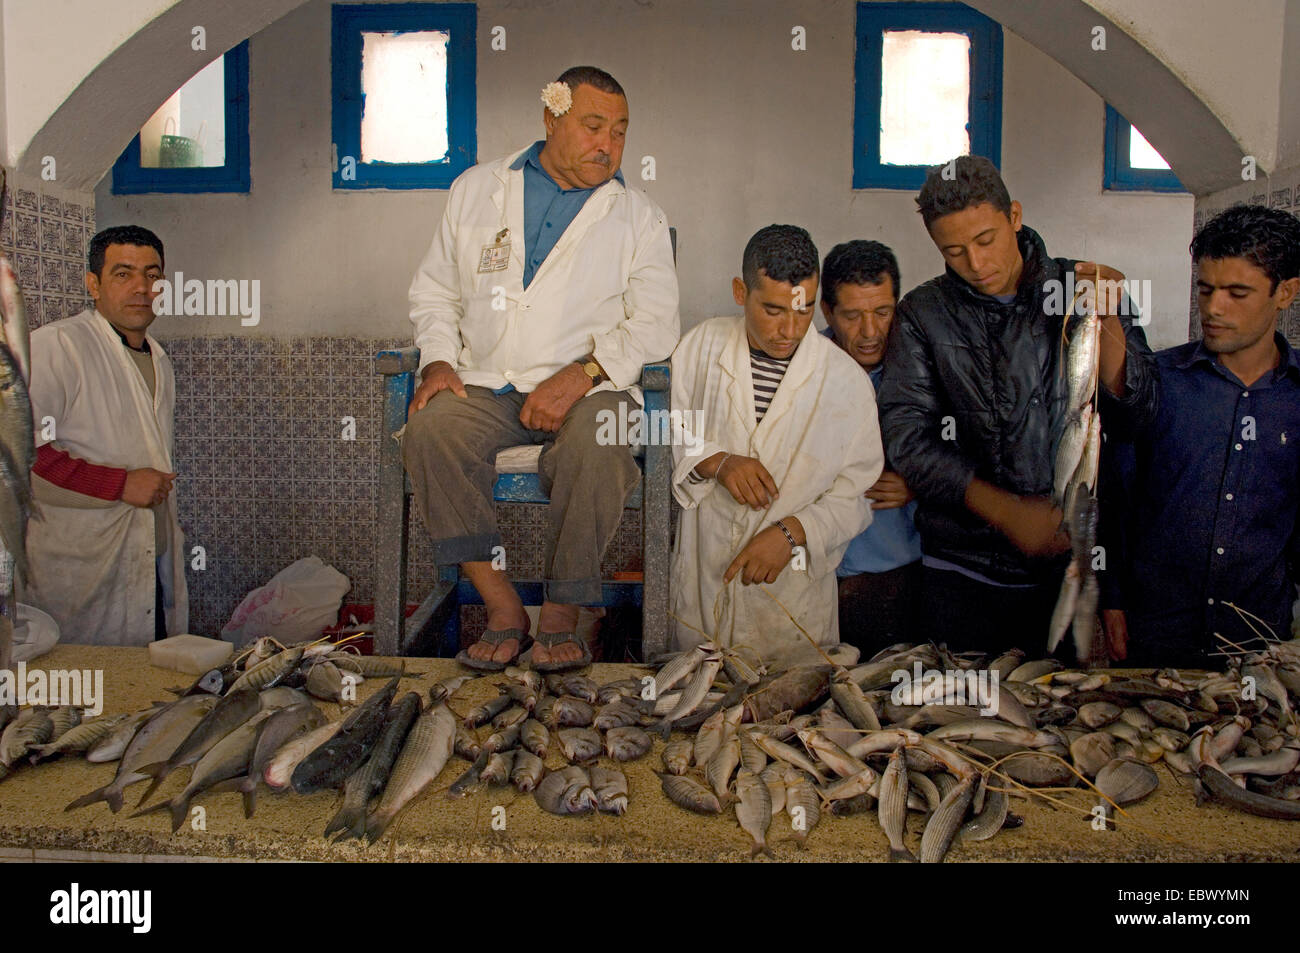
x=95 y=123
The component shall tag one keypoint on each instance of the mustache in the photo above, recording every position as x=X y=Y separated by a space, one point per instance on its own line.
x=602 y=158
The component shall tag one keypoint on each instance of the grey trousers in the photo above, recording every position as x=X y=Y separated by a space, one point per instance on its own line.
x=450 y=447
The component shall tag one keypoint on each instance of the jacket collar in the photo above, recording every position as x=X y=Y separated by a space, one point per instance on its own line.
x=734 y=361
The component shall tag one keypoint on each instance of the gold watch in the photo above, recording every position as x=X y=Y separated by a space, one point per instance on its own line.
x=592 y=369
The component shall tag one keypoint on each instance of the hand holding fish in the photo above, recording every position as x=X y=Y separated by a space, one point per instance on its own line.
x=1105 y=292
x=146 y=487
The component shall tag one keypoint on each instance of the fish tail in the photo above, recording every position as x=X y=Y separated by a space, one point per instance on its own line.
x=375 y=827
x=901 y=855
x=345 y=819
x=152 y=809
x=95 y=796
x=250 y=799
x=158 y=771
x=180 y=806
x=761 y=848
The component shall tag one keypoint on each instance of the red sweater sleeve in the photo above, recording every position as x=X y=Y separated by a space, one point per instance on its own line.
x=63 y=469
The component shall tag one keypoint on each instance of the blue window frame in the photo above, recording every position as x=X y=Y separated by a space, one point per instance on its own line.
x=130 y=178
x=1118 y=174
x=984 y=108
x=459 y=20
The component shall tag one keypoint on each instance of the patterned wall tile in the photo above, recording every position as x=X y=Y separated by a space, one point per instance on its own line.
x=45 y=236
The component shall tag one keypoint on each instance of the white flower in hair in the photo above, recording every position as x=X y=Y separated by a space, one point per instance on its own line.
x=558 y=98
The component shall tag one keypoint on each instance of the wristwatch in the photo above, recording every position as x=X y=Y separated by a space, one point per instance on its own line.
x=592 y=369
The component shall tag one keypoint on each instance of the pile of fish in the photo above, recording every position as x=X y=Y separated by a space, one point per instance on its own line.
x=584 y=719
x=824 y=738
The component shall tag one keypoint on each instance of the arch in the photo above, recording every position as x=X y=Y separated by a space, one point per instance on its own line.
x=96 y=122
x=1199 y=148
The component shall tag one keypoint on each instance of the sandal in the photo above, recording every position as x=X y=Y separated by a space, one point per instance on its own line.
x=552 y=639
x=493 y=637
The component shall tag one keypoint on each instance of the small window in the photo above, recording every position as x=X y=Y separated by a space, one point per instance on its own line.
x=928 y=89
x=1131 y=163
x=197 y=141
x=404 y=94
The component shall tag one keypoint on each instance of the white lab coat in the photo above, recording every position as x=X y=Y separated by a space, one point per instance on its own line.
x=608 y=287
x=820 y=440
x=93 y=567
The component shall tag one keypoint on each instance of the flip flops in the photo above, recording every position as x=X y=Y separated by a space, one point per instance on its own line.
x=493 y=637
x=552 y=639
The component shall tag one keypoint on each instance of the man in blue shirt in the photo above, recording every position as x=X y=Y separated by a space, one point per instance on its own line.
x=880 y=574
x=1212 y=530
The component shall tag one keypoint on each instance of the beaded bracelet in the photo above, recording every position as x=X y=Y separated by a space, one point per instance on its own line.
x=788 y=535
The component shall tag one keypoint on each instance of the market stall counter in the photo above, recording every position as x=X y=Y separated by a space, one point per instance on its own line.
x=499 y=823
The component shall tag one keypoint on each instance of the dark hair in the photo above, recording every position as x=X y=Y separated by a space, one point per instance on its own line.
x=592 y=76
x=121 y=235
x=974 y=180
x=858 y=262
x=784 y=253
x=1267 y=237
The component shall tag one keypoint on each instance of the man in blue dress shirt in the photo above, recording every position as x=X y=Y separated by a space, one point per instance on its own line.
x=1212 y=531
x=880 y=573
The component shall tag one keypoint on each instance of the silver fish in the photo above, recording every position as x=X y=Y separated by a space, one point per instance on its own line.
x=579 y=745
x=424 y=754
x=534 y=737
x=567 y=791
x=943 y=824
x=527 y=771
x=156 y=739
x=685 y=791
x=611 y=789
x=677 y=756
x=893 y=806
x=500 y=764
x=79 y=739
x=279 y=770
x=754 y=811
x=721 y=766
x=627 y=743
x=802 y=804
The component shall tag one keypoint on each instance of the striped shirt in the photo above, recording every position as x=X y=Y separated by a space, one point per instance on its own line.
x=766 y=372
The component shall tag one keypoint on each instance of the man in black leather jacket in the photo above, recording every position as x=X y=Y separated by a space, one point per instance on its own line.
x=973 y=403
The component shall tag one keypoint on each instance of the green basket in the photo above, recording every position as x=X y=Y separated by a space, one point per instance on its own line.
x=180 y=152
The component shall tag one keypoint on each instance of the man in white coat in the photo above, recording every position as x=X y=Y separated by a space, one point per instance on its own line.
x=107 y=553
x=771 y=478
x=548 y=285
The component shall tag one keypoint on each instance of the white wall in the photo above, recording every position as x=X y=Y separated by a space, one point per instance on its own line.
x=50 y=46
x=1228 y=52
x=744 y=131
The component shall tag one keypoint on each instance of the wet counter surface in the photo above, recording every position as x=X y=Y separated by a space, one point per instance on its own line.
x=1167 y=826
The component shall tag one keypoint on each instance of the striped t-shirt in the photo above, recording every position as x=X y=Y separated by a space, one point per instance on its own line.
x=766 y=372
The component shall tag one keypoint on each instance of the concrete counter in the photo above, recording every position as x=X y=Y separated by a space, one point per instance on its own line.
x=1167 y=826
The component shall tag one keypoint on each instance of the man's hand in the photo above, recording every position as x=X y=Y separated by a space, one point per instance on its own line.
x=745 y=478
x=436 y=376
x=762 y=559
x=1106 y=284
x=146 y=487
x=889 y=492
x=1032 y=524
x=1115 y=623
x=546 y=407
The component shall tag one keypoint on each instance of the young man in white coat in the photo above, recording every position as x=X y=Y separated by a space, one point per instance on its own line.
x=548 y=285
x=772 y=480
x=107 y=553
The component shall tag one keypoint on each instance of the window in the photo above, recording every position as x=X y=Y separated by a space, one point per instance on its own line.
x=1131 y=164
x=928 y=88
x=404 y=94
x=197 y=141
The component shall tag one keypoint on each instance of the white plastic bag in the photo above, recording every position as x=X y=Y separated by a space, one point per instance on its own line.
x=298 y=602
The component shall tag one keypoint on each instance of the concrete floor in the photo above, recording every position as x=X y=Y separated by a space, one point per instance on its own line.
x=1167 y=826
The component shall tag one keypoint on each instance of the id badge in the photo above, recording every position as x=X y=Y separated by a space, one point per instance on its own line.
x=496 y=256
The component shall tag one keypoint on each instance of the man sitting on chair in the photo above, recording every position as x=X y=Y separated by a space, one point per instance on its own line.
x=773 y=480
x=548 y=285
